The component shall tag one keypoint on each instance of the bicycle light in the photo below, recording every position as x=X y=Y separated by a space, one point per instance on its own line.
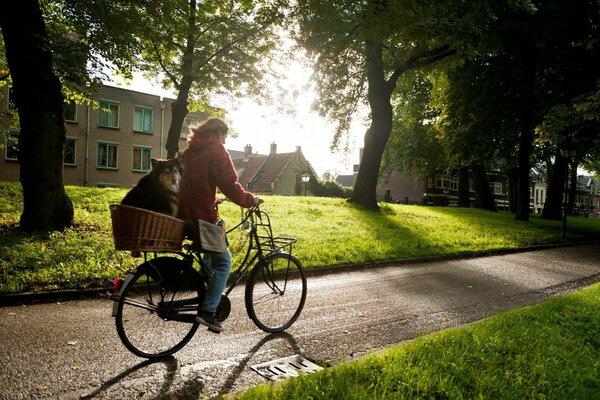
x=117 y=284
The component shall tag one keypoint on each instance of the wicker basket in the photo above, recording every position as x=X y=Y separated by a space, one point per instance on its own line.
x=137 y=229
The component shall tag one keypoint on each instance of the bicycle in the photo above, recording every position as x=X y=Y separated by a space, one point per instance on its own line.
x=156 y=304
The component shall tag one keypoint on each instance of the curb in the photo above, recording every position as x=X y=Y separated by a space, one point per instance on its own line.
x=27 y=298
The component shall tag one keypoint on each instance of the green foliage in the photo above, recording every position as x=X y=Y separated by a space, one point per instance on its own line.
x=329 y=188
x=548 y=351
x=330 y=232
x=335 y=33
x=221 y=48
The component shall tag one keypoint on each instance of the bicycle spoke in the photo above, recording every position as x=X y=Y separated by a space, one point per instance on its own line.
x=273 y=299
x=148 y=323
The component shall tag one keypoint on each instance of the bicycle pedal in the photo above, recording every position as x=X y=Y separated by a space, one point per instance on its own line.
x=213 y=331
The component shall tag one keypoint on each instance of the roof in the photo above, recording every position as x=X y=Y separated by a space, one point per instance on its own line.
x=258 y=172
x=346 y=180
x=247 y=168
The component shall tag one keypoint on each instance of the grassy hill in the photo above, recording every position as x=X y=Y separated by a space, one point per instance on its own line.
x=329 y=231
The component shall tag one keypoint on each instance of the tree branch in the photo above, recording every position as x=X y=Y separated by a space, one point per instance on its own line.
x=426 y=58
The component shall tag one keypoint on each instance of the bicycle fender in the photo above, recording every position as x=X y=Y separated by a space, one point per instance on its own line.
x=126 y=281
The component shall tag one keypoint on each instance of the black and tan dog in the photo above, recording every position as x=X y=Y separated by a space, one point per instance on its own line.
x=157 y=191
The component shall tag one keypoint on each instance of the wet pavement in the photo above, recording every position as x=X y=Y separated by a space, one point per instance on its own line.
x=70 y=349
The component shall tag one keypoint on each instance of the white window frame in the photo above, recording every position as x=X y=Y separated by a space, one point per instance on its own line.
x=14 y=147
x=446 y=182
x=496 y=187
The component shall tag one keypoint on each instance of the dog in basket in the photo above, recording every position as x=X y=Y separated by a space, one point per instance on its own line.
x=157 y=190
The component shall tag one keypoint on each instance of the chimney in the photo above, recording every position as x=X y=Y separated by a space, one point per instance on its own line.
x=247 y=151
x=273 y=148
x=298 y=149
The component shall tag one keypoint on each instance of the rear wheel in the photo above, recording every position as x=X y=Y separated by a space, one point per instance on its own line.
x=144 y=313
x=275 y=292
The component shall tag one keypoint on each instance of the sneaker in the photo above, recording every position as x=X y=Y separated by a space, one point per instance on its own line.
x=209 y=320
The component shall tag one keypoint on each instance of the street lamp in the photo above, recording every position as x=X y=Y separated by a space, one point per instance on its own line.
x=305 y=179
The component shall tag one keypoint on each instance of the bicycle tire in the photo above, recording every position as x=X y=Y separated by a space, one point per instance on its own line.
x=140 y=327
x=276 y=292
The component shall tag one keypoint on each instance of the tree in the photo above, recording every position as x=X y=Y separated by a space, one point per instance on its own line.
x=206 y=48
x=40 y=106
x=362 y=49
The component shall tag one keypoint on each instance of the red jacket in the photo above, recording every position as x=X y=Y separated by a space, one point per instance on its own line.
x=206 y=166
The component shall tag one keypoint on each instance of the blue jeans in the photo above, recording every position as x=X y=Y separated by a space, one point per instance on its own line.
x=219 y=264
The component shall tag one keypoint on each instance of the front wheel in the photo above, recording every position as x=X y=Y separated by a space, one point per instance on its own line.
x=152 y=320
x=275 y=292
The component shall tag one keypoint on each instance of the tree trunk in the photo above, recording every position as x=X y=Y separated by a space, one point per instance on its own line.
x=481 y=185
x=39 y=101
x=178 y=112
x=572 y=189
x=378 y=133
x=513 y=189
x=556 y=182
x=463 y=187
x=527 y=55
x=179 y=108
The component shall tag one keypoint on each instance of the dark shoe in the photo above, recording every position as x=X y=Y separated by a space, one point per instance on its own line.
x=209 y=320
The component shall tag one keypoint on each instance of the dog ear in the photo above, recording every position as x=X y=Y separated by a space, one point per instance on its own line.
x=154 y=163
x=179 y=160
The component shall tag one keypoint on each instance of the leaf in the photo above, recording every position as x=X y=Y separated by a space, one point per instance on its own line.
x=72 y=342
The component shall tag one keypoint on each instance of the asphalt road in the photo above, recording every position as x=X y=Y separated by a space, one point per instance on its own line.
x=70 y=350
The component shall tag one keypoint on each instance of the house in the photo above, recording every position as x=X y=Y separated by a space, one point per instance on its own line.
x=275 y=173
x=442 y=190
x=586 y=197
x=110 y=145
x=350 y=180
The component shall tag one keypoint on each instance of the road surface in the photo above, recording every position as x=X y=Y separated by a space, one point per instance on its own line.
x=70 y=350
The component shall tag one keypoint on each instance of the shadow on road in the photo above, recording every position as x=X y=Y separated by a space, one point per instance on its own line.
x=193 y=388
x=170 y=362
x=237 y=371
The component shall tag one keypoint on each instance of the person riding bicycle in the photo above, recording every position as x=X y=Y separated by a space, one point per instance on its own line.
x=207 y=166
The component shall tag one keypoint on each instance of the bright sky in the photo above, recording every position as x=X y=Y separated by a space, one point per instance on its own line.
x=260 y=126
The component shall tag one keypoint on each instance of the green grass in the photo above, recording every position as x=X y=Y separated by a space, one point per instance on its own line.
x=547 y=351
x=329 y=231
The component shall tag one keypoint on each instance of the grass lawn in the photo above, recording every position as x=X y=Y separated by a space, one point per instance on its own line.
x=329 y=231
x=547 y=351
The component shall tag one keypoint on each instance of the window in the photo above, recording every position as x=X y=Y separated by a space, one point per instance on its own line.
x=12 y=147
x=107 y=155
x=142 y=119
x=70 y=112
x=496 y=187
x=141 y=159
x=446 y=182
x=69 y=152
x=108 y=114
x=189 y=120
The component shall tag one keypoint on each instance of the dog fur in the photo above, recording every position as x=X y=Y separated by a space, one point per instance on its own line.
x=157 y=190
